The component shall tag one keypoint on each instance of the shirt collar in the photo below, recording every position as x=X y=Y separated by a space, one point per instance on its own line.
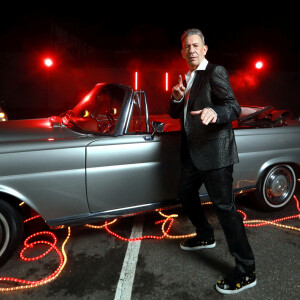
x=202 y=66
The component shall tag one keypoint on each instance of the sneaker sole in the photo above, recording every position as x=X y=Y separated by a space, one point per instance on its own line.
x=230 y=292
x=198 y=247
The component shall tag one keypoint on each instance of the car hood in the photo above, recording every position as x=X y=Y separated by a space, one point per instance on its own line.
x=34 y=130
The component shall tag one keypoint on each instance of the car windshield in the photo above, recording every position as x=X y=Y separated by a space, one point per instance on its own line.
x=99 y=110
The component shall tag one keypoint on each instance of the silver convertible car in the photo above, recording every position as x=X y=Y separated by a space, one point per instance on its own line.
x=108 y=157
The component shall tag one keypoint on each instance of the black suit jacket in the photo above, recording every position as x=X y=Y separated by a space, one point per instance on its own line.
x=210 y=146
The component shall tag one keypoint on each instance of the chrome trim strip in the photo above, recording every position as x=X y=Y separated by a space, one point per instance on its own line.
x=237 y=191
x=110 y=214
x=125 y=212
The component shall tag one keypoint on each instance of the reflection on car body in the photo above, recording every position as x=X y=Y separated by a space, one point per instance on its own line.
x=108 y=157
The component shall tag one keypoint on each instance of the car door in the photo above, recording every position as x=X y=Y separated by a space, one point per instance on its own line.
x=129 y=171
x=132 y=169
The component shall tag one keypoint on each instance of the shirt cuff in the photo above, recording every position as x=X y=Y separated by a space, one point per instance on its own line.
x=177 y=101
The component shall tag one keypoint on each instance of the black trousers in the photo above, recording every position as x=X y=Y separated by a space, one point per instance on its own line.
x=218 y=184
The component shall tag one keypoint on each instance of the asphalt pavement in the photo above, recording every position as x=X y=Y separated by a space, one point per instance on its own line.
x=99 y=265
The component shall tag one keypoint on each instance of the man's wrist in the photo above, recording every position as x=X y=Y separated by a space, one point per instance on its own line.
x=177 y=100
x=214 y=112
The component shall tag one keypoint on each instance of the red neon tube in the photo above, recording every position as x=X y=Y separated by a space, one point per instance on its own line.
x=136 y=81
x=167 y=81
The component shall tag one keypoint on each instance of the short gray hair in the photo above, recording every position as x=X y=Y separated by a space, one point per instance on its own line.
x=192 y=31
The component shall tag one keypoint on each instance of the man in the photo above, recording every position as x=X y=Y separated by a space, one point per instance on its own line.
x=206 y=105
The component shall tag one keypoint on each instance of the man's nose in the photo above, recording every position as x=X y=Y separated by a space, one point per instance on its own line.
x=192 y=49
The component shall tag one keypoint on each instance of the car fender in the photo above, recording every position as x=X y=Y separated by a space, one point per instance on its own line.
x=7 y=192
x=289 y=160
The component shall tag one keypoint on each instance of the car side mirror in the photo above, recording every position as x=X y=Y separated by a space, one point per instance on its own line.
x=157 y=127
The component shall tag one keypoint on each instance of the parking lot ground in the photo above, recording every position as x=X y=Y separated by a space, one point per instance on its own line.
x=102 y=266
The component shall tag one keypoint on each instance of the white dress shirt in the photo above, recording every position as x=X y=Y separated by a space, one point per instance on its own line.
x=189 y=78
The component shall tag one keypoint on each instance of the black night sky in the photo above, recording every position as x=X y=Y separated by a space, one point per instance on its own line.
x=230 y=31
x=147 y=34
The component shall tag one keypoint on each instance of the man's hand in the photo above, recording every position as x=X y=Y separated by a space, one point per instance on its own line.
x=178 y=90
x=207 y=115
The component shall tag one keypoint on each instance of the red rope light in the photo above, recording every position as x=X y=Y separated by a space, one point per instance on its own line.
x=246 y=223
x=145 y=236
x=31 y=245
x=52 y=246
x=273 y=222
x=25 y=284
x=32 y=218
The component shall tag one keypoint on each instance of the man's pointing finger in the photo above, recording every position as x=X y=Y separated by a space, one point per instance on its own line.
x=196 y=112
x=180 y=80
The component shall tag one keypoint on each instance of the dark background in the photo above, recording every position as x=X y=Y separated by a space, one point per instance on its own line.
x=96 y=42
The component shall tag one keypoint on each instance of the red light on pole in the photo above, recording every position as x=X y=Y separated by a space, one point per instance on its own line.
x=167 y=81
x=136 y=81
x=48 y=62
x=259 y=65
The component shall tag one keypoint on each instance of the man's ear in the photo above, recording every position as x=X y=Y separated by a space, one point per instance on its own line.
x=205 y=49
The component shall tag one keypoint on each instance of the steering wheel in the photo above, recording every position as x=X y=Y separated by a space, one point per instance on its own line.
x=112 y=122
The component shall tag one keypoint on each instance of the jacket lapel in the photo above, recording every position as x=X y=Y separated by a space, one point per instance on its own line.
x=199 y=77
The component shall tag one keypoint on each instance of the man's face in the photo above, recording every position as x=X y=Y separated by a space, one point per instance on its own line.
x=193 y=51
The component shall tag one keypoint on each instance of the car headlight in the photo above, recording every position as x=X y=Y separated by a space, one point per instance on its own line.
x=3 y=117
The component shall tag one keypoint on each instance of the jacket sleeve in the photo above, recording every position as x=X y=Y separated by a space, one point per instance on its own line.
x=225 y=103
x=175 y=108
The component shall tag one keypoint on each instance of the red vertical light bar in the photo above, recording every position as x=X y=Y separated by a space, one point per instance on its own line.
x=136 y=81
x=167 y=81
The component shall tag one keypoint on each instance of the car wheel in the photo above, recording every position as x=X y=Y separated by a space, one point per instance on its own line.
x=276 y=187
x=11 y=230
